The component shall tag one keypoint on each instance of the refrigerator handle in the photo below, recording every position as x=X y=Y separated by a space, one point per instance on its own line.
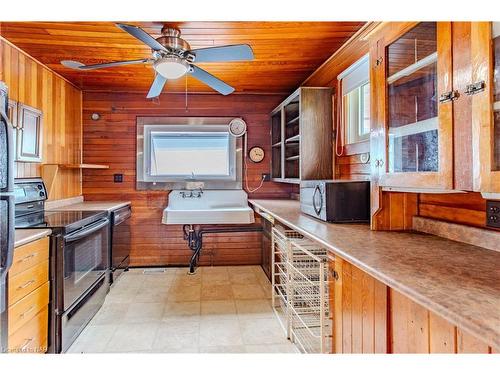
x=7 y=254
x=10 y=151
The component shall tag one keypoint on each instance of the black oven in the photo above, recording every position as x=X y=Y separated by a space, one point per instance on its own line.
x=85 y=260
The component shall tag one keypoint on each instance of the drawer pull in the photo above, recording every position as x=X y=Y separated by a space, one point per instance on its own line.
x=28 y=257
x=25 y=285
x=27 y=312
x=27 y=343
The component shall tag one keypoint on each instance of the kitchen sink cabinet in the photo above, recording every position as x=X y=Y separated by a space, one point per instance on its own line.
x=301 y=136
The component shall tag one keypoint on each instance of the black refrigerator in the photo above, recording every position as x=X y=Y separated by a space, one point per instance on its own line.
x=6 y=209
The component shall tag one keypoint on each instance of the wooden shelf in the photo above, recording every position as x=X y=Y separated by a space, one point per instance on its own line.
x=277 y=144
x=84 y=166
x=428 y=60
x=292 y=158
x=295 y=138
x=294 y=120
x=287 y=180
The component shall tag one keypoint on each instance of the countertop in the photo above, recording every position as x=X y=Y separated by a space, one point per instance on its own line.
x=458 y=281
x=24 y=236
x=92 y=206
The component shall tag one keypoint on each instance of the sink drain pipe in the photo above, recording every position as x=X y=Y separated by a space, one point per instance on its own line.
x=194 y=237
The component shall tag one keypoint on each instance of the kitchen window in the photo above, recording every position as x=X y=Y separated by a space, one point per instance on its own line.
x=355 y=91
x=181 y=153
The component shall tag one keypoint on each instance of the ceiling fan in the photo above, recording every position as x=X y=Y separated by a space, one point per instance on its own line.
x=172 y=58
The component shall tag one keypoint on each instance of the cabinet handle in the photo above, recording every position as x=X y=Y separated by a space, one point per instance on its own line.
x=448 y=96
x=475 y=88
x=32 y=281
x=335 y=275
x=27 y=342
x=27 y=312
x=28 y=257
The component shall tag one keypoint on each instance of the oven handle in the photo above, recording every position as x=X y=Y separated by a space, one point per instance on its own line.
x=85 y=232
x=317 y=209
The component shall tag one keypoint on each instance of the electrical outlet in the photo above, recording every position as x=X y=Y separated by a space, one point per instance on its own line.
x=493 y=214
x=266 y=176
x=118 y=177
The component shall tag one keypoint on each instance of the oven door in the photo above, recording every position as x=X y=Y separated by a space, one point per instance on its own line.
x=312 y=199
x=85 y=260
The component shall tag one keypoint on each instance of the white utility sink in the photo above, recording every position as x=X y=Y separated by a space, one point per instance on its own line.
x=208 y=207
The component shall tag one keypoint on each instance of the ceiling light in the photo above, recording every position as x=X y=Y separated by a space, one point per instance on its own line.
x=171 y=67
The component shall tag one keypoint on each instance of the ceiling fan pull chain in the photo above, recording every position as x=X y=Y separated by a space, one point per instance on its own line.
x=186 y=90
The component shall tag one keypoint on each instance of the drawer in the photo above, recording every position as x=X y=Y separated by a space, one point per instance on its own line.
x=29 y=255
x=28 y=307
x=27 y=281
x=32 y=336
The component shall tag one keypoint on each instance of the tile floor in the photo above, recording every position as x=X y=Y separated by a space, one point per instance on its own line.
x=218 y=310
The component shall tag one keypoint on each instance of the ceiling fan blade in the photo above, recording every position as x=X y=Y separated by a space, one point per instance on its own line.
x=157 y=86
x=211 y=80
x=236 y=52
x=79 y=66
x=143 y=36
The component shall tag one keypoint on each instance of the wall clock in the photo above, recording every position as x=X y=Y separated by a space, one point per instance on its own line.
x=256 y=154
x=237 y=127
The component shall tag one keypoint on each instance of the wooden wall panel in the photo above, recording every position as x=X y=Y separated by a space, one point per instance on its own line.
x=347 y=166
x=397 y=211
x=463 y=208
x=33 y=84
x=112 y=140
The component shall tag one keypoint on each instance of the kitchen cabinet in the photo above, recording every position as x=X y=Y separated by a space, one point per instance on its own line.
x=301 y=136
x=485 y=94
x=28 y=296
x=359 y=310
x=413 y=99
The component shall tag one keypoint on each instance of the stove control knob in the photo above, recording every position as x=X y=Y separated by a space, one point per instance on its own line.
x=40 y=187
x=42 y=194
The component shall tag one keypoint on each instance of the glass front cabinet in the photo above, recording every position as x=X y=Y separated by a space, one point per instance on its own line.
x=412 y=76
x=485 y=92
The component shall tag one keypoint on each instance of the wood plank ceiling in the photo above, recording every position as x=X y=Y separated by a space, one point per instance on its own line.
x=286 y=52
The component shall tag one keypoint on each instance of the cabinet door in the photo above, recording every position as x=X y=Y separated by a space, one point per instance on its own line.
x=417 y=108
x=360 y=311
x=485 y=50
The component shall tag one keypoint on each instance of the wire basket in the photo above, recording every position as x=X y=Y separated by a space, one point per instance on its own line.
x=300 y=290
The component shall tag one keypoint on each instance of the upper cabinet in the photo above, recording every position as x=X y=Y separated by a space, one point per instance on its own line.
x=301 y=136
x=413 y=95
x=485 y=92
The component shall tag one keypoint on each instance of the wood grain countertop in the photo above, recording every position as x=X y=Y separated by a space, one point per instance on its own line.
x=24 y=236
x=458 y=281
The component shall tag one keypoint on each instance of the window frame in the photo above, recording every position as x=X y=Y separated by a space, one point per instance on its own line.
x=186 y=129
x=358 y=137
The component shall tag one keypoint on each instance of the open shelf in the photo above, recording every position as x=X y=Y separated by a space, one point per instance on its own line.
x=291 y=158
x=293 y=120
x=295 y=138
x=277 y=144
x=84 y=166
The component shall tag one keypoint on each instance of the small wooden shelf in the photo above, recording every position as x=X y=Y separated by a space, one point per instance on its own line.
x=287 y=180
x=294 y=120
x=84 y=166
x=295 y=138
x=292 y=158
x=277 y=144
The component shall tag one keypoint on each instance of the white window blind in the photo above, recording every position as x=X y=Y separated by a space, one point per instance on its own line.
x=355 y=76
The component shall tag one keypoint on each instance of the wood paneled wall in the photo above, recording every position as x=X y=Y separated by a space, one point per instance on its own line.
x=349 y=165
x=34 y=84
x=112 y=140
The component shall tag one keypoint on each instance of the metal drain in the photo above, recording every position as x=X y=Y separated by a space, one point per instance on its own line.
x=153 y=271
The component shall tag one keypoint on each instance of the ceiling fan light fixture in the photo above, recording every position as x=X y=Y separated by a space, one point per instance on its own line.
x=171 y=67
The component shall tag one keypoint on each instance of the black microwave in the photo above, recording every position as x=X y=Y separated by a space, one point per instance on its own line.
x=336 y=201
